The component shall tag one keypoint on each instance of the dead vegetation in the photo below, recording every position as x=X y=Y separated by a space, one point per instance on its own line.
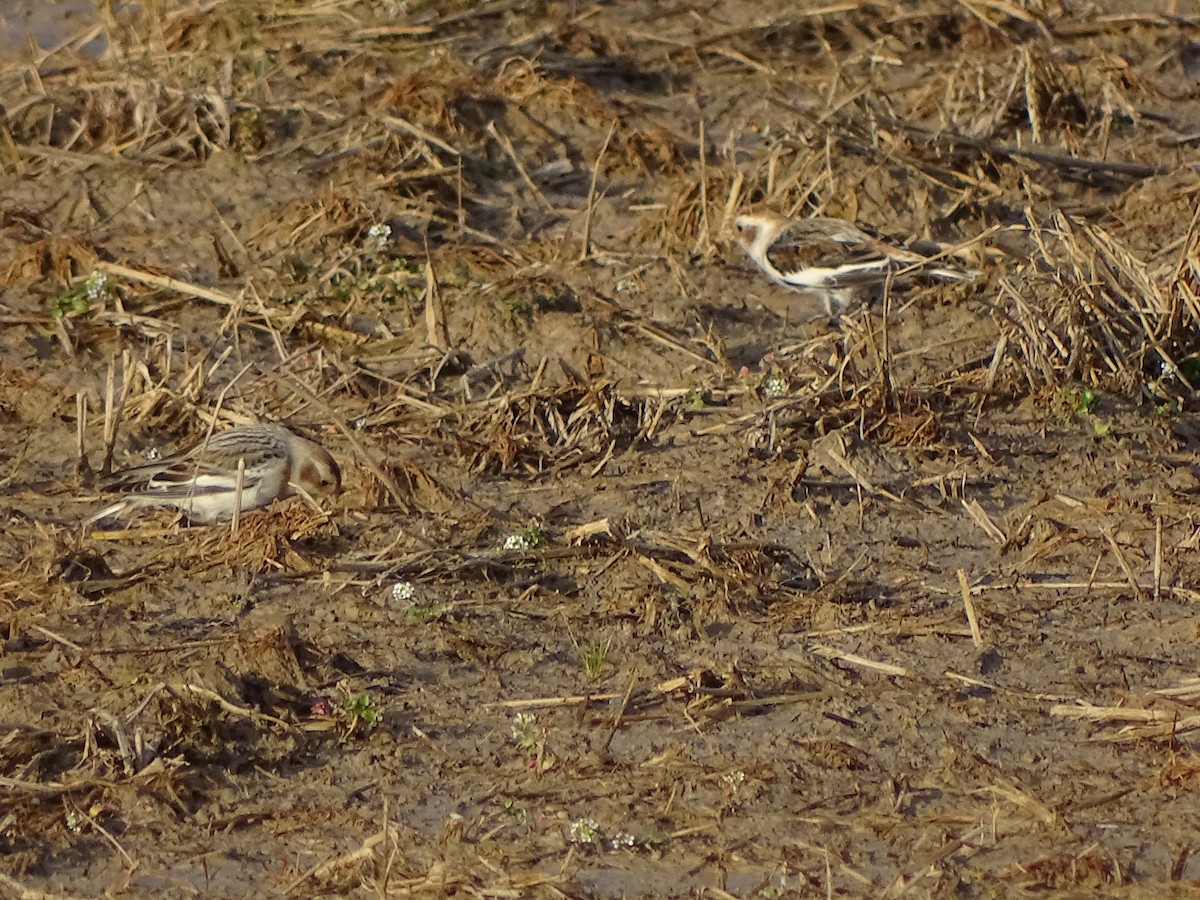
x=637 y=587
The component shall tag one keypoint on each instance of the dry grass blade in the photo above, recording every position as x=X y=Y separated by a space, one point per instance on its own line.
x=853 y=659
x=170 y=284
x=586 y=240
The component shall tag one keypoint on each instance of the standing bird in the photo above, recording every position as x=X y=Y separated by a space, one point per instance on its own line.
x=203 y=482
x=832 y=258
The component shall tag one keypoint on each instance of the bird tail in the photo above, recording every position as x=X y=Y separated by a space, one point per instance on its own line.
x=113 y=510
x=952 y=274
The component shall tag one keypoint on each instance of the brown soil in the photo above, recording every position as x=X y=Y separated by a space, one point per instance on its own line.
x=645 y=582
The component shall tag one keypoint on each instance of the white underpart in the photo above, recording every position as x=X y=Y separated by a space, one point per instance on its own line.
x=215 y=496
x=823 y=278
x=219 y=503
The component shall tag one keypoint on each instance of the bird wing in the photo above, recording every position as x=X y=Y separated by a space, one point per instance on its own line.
x=919 y=252
x=197 y=472
x=848 y=256
x=844 y=261
x=794 y=253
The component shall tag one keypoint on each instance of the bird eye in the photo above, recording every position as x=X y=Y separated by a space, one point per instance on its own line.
x=740 y=227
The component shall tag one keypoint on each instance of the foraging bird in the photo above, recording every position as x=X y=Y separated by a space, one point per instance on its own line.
x=832 y=258
x=203 y=482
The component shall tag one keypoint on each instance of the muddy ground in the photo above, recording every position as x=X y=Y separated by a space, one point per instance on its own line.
x=647 y=578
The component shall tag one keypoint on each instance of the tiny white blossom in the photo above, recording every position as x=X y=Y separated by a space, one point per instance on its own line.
x=523 y=731
x=584 y=831
x=774 y=385
x=517 y=542
x=734 y=780
x=403 y=591
x=95 y=285
x=525 y=539
x=623 y=840
x=377 y=237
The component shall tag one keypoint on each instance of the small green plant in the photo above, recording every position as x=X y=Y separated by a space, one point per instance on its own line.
x=532 y=742
x=695 y=399
x=377 y=239
x=404 y=594
x=360 y=712
x=594 y=655
x=772 y=383
x=510 y=808
x=362 y=271
x=1081 y=403
x=424 y=612
x=524 y=731
x=1086 y=401
x=80 y=296
x=516 y=310
x=584 y=831
x=75 y=821
x=526 y=538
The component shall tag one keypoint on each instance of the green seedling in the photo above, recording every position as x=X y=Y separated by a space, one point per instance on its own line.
x=80 y=296
x=424 y=612
x=510 y=808
x=1086 y=401
x=517 y=310
x=1081 y=403
x=360 y=710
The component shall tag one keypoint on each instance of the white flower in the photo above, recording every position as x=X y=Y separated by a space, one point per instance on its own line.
x=734 y=780
x=525 y=539
x=623 y=840
x=95 y=286
x=774 y=385
x=584 y=831
x=523 y=730
x=377 y=237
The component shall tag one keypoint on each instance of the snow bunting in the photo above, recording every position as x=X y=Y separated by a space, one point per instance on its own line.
x=832 y=258
x=203 y=482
